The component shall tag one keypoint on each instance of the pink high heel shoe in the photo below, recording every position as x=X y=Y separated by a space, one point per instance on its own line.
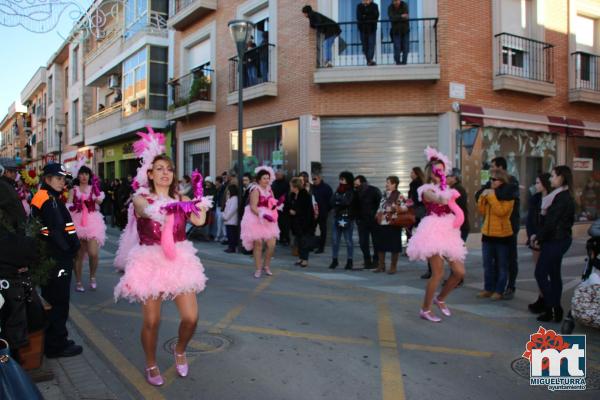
x=156 y=380
x=79 y=287
x=257 y=274
x=442 y=306
x=429 y=316
x=267 y=271
x=182 y=369
x=93 y=284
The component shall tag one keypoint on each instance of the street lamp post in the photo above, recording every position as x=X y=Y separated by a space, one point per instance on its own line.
x=59 y=147
x=240 y=31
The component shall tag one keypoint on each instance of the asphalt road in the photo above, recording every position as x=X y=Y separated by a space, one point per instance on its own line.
x=320 y=334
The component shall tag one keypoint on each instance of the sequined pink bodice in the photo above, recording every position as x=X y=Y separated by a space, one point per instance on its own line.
x=79 y=203
x=150 y=231
x=436 y=209
x=263 y=198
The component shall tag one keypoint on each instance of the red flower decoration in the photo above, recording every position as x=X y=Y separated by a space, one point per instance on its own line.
x=31 y=173
x=544 y=339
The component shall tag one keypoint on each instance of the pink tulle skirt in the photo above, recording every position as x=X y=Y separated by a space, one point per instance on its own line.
x=94 y=229
x=128 y=240
x=149 y=274
x=436 y=235
x=255 y=228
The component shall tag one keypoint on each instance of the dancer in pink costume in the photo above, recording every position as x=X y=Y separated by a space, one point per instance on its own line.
x=163 y=265
x=438 y=235
x=84 y=201
x=259 y=223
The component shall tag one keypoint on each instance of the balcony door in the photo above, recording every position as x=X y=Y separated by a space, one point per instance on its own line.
x=344 y=12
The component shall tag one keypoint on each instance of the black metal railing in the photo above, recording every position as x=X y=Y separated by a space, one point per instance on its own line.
x=525 y=58
x=587 y=71
x=390 y=44
x=191 y=87
x=256 y=69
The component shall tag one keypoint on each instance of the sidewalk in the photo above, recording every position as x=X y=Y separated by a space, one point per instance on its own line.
x=82 y=377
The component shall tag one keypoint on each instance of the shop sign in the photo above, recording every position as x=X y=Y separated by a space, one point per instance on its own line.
x=583 y=164
x=109 y=153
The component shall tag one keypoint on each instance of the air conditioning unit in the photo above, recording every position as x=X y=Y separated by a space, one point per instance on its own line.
x=113 y=81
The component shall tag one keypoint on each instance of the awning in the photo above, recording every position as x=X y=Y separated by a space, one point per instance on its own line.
x=483 y=116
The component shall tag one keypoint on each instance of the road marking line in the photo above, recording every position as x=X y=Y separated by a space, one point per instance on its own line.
x=102 y=305
x=446 y=350
x=114 y=356
x=301 y=335
x=171 y=373
x=392 y=383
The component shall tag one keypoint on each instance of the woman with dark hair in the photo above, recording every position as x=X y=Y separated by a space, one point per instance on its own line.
x=230 y=218
x=534 y=220
x=388 y=238
x=554 y=238
x=301 y=212
x=342 y=204
x=162 y=264
x=259 y=223
x=85 y=198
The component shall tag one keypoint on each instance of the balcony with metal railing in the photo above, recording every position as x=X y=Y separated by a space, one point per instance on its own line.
x=103 y=121
x=377 y=51
x=523 y=65
x=183 y=13
x=259 y=74
x=192 y=93
x=585 y=78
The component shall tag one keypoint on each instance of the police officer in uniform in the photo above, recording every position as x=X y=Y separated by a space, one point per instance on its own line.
x=17 y=253
x=59 y=231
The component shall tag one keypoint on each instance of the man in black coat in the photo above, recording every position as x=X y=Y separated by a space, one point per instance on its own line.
x=398 y=15
x=367 y=205
x=17 y=253
x=509 y=191
x=328 y=30
x=367 y=15
x=322 y=193
x=59 y=231
x=281 y=187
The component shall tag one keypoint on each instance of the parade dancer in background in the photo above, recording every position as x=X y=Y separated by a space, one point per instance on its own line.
x=163 y=265
x=84 y=204
x=259 y=223
x=438 y=235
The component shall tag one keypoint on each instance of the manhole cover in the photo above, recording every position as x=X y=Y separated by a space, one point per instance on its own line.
x=202 y=342
x=592 y=379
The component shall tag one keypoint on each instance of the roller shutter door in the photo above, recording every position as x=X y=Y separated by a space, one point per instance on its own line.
x=376 y=147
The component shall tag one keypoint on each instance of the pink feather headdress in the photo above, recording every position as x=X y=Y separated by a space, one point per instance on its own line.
x=81 y=161
x=149 y=145
x=433 y=154
x=269 y=170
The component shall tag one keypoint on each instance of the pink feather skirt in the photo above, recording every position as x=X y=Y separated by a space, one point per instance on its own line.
x=95 y=229
x=149 y=274
x=255 y=228
x=436 y=235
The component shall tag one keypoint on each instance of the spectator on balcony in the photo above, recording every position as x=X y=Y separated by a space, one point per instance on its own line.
x=251 y=61
x=398 y=15
x=328 y=30
x=263 y=57
x=367 y=15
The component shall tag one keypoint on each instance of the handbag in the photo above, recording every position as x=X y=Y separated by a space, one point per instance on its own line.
x=402 y=219
x=15 y=383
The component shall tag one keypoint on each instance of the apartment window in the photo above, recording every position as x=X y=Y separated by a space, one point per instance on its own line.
x=50 y=81
x=512 y=57
x=75 y=64
x=66 y=81
x=75 y=116
x=584 y=31
x=158 y=78
x=135 y=82
x=136 y=16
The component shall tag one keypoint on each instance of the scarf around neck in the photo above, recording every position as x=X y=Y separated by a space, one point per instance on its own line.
x=549 y=198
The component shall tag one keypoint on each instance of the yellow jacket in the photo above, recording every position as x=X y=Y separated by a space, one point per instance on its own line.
x=496 y=214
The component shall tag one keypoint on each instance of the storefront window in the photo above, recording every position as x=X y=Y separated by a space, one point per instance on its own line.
x=275 y=146
x=527 y=153
x=584 y=160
